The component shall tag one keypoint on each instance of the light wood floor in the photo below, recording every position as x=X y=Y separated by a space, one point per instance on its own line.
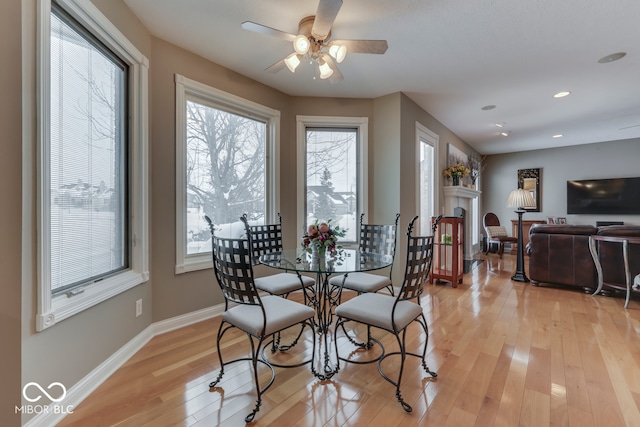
x=506 y=353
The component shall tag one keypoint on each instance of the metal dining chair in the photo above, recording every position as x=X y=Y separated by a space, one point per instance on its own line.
x=375 y=238
x=259 y=317
x=394 y=314
x=265 y=239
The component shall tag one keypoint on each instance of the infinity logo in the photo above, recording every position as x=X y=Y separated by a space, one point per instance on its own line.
x=44 y=392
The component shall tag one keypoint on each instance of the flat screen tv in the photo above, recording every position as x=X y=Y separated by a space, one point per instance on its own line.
x=617 y=196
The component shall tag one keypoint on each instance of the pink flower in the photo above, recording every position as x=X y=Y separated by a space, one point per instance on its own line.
x=312 y=230
x=324 y=227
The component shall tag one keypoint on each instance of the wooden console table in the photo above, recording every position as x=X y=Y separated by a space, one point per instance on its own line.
x=625 y=241
x=526 y=226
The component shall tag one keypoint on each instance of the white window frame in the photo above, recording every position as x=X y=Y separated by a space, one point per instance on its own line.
x=224 y=100
x=362 y=126
x=54 y=309
x=433 y=139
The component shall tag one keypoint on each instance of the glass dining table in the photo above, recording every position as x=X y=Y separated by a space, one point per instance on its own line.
x=324 y=297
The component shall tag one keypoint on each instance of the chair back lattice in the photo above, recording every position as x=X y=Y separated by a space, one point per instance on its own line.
x=418 y=265
x=233 y=269
x=378 y=238
x=263 y=238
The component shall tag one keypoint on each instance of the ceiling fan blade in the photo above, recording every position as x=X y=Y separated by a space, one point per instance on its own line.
x=325 y=15
x=337 y=75
x=267 y=31
x=363 y=46
x=280 y=65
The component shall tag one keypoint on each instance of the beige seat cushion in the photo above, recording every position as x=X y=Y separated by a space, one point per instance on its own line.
x=282 y=283
x=496 y=231
x=361 y=282
x=281 y=313
x=375 y=309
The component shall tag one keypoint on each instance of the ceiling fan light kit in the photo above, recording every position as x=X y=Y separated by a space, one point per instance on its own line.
x=313 y=42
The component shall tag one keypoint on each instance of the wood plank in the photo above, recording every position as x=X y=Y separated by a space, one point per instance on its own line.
x=506 y=353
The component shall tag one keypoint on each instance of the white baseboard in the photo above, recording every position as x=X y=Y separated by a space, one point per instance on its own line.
x=87 y=385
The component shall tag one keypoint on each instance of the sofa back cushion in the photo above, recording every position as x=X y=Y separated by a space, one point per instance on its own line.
x=560 y=254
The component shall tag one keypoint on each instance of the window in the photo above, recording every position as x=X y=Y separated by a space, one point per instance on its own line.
x=333 y=155
x=92 y=171
x=224 y=167
x=427 y=153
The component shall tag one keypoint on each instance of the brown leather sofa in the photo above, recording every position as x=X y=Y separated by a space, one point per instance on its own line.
x=559 y=254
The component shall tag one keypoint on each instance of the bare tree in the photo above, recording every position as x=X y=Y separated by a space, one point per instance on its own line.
x=225 y=162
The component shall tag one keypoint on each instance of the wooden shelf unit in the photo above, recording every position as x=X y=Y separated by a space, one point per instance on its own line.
x=448 y=260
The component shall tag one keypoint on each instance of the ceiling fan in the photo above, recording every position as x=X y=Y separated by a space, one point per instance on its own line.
x=313 y=42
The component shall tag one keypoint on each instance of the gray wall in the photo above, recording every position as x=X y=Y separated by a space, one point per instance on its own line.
x=10 y=211
x=611 y=159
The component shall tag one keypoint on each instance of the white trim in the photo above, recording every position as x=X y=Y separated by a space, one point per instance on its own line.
x=302 y=122
x=431 y=138
x=168 y=325
x=54 y=309
x=186 y=87
x=87 y=385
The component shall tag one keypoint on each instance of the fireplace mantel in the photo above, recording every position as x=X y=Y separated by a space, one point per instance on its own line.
x=458 y=196
x=460 y=191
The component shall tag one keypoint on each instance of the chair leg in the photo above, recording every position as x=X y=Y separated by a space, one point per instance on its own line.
x=221 y=331
x=254 y=362
x=403 y=356
x=423 y=323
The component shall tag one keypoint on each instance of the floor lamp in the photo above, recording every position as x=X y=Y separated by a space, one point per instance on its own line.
x=520 y=199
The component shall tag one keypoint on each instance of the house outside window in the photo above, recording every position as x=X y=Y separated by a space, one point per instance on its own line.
x=333 y=180
x=225 y=165
x=92 y=204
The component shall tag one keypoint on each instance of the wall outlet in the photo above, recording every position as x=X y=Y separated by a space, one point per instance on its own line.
x=138 y=307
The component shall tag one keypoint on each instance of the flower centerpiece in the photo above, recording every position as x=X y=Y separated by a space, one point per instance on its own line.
x=456 y=171
x=321 y=237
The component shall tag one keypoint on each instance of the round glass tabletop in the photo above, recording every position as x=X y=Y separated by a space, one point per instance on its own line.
x=347 y=261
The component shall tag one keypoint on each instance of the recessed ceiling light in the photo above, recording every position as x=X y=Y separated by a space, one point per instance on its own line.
x=612 y=57
x=562 y=94
x=559 y=135
x=504 y=133
x=499 y=125
x=488 y=107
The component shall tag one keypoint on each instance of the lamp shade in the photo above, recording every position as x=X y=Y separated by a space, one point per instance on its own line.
x=292 y=61
x=301 y=44
x=521 y=199
x=325 y=71
x=338 y=52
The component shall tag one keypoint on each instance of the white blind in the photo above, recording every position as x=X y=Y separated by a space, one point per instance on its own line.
x=87 y=158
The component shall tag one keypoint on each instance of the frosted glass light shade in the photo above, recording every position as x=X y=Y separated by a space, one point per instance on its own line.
x=292 y=61
x=301 y=44
x=338 y=52
x=325 y=71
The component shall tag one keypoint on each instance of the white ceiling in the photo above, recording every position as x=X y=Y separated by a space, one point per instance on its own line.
x=451 y=57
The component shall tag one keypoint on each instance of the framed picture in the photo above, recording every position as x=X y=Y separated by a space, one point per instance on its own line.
x=561 y=220
x=551 y=220
x=531 y=180
x=454 y=154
